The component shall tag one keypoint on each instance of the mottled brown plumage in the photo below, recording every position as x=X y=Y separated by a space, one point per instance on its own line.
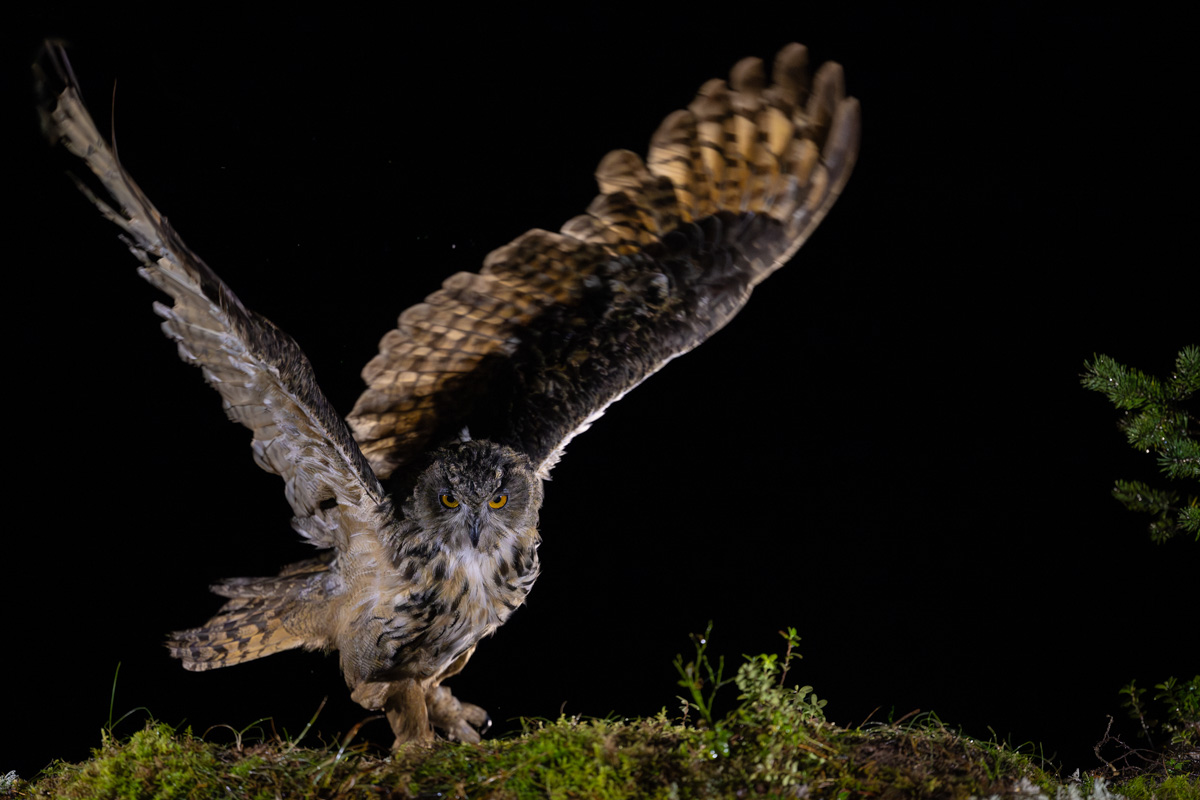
x=558 y=325
x=525 y=355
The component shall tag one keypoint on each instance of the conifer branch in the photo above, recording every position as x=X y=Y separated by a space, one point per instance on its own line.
x=1156 y=419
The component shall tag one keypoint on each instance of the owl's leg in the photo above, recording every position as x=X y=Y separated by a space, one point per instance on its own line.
x=404 y=703
x=407 y=715
x=459 y=721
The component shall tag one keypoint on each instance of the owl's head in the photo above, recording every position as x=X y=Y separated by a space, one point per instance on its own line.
x=477 y=494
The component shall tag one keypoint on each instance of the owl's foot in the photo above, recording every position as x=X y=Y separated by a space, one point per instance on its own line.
x=414 y=712
x=456 y=720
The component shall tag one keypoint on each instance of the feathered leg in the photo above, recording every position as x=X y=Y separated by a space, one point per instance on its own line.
x=459 y=721
x=415 y=708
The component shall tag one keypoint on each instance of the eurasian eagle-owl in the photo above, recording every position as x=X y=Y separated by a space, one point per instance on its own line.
x=529 y=351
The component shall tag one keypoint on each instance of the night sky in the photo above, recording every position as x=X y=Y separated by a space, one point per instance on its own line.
x=888 y=449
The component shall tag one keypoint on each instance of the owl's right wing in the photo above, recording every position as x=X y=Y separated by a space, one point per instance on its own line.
x=557 y=326
x=264 y=380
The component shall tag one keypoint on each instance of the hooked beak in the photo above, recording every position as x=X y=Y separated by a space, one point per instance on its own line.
x=473 y=530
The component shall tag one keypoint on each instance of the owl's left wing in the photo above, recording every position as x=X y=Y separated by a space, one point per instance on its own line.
x=264 y=380
x=557 y=326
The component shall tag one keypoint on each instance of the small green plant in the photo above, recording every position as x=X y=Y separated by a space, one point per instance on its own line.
x=700 y=679
x=1180 y=703
x=1171 y=728
x=761 y=681
x=780 y=716
x=1135 y=707
x=772 y=720
x=767 y=701
x=1156 y=420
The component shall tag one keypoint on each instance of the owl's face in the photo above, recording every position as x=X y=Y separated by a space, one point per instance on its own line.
x=477 y=495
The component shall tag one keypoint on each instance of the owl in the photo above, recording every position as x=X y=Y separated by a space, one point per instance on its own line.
x=424 y=502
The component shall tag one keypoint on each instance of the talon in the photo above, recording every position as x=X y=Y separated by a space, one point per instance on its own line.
x=458 y=721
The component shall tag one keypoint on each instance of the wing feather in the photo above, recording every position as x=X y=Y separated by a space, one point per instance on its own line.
x=556 y=326
x=264 y=380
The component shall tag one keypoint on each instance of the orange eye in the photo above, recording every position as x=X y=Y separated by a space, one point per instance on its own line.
x=449 y=502
x=498 y=501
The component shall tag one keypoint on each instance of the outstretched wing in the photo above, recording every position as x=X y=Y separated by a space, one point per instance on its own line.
x=557 y=326
x=264 y=380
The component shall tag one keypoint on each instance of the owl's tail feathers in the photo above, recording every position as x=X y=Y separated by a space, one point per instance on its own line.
x=263 y=616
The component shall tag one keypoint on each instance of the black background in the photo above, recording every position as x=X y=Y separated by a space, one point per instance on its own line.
x=889 y=449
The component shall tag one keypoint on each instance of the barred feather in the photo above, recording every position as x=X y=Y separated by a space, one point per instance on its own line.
x=556 y=326
x=263 y=616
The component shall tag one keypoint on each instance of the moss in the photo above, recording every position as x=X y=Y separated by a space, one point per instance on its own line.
x=775 y=743
x=1147 y=787
x=154 y=762
x=567 y=758
x=159 y=763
